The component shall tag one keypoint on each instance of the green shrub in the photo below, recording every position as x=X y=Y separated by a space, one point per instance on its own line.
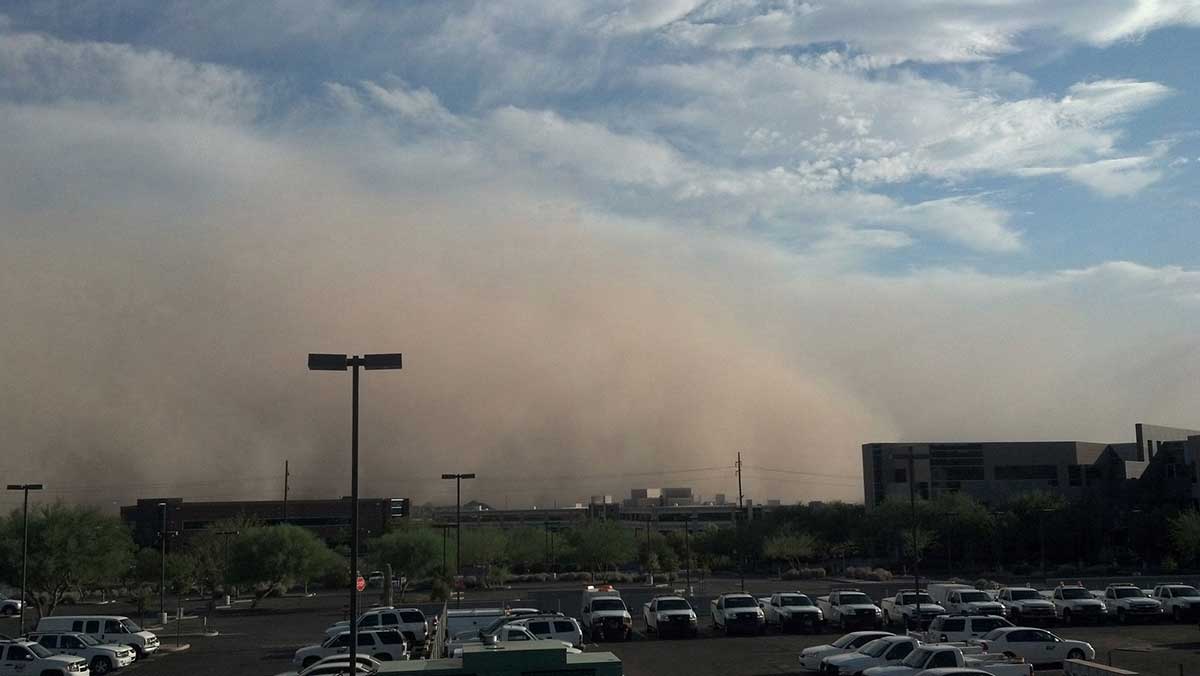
x=986 y=584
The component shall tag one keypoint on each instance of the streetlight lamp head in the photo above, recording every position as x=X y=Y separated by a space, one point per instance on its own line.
x=375 y=362
x=25 y=487
x=444 y=476
x=327 y=362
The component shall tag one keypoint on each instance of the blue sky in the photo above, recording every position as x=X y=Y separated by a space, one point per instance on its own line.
x=849 y=200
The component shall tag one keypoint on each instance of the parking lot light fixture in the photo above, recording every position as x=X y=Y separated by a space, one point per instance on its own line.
x=457 y=478
x=25 y=488
x=342 y=362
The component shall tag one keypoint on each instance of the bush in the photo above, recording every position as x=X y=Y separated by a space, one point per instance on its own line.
x=868 y=573
x=1170 y=565
x=986 y=584
x=439 y=590
x=803 y=573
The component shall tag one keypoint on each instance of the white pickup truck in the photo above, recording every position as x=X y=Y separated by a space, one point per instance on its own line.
x=1180 y=601
x=19 y=657
x=1074 y=603
x=737 y=612
x=843 y=608
x=963 y=599
x=911 y=608
x=1127 y=602
x=937 y=655
x=787 y=610
x=1025 y=605
x=878 y=653
x=666 y=614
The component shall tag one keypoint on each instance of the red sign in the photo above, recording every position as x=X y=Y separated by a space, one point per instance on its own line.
x=360 y=584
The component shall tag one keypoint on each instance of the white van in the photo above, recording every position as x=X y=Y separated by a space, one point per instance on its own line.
x=460 y=621
x=115 y=629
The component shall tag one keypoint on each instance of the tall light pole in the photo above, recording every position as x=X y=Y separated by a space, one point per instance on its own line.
x=458 y=526
x=687 y=551
x=225 y=570
x=24 y=548
x=912 y=498
x=340 y=362
x=162 y=583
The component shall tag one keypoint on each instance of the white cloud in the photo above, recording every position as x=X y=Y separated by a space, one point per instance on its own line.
x=966 y=220
x=1118 y=177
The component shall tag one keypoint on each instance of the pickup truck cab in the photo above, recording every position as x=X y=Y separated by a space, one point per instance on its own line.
x=1074 y=603
x=911 y=609
x=1127 y=602
x=955 y=628
x=670 y=614
x=935 y=656
x=1036 y=646
x=102 y=657
x=878 y=653
x=844 y=608
x=1026 y=605
x=604 y=615
x=962 y=599
x=811 y=657
x=787 y=610
x=1180 y=601
x=19 y=657
x=737 y=612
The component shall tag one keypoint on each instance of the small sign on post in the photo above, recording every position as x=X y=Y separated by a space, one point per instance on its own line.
x=360 y=584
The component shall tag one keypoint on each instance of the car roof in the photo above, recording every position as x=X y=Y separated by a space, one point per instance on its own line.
x=731 y=594
x=668 y=597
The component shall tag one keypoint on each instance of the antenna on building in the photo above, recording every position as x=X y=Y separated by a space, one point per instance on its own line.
x=286 y=475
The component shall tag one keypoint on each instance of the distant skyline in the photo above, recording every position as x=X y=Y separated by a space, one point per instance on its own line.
x=613 y=239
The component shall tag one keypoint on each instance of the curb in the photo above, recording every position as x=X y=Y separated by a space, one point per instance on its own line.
x=174 y=648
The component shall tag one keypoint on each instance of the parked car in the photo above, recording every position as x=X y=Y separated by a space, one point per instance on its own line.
x=508 y=633
x=106 y=629
x=810 y=658
x=19 y=657
x=604 y=615
x=410 y=622
x=963 y=599
x=911 y=608
x=9 y=606
x=936 y=656
x=463 y=619
x=787 y=610
x=737 y=612
x=1036 y=646
x=554 y=627
x=844 y=608
x=958 y=671
x=670 y=614
x=384 y=645
x=1127 y=602
x=1180 y=601
x=956 y=628
x=880 y=652
x=338 y=665
x=1025 y=605
x=1074 y=603
x=102 y=657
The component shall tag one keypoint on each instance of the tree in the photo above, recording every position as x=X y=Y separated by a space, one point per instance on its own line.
x=484 y=548
x=412 y=552
x=70 y=547
x=526 y=548
x=272 y=556
x=600 y=545
x=790 y=547
x=657 y=555
x=1185 y=535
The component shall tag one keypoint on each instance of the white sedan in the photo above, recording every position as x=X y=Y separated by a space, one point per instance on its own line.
x=1036 y=646
x=338 y=665
x=810 y=658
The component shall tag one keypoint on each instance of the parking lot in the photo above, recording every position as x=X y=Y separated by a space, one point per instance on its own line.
x=260 y=642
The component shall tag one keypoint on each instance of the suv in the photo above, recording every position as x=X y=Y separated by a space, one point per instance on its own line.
x=382 y=644
x=410 y=622
x=554 y=627
x=101 y=657
x=955 y=628
x=1127 y=602
x=19 y=657
x=666 y=614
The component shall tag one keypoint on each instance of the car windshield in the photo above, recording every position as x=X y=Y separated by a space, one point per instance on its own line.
x=994 y=634
x=1184 y=591
x=973 y=597
x=875 y=648
x=845 y=641
x=850 y=599
x=1074 y=594
x=608 y=604
x=496 y=624
x=673 y=604
x=1024 y=594
x=130 y=626
x=740 y=602
x=910 y=599
x=1126 y=592
x=795 y=601
x=917 y=658
x=39 y=650
x=87 y=640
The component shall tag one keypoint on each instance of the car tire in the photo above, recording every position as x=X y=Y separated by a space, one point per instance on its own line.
x=8 y=611
x=1121 y=618
x=138 y=653
x=100 y=665
x=1066 y=617
x=1075 y=654
x=1177 y=614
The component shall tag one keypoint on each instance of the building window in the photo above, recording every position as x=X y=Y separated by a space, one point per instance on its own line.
x=1027 y=473
x=900 y=476
x=1075 y=475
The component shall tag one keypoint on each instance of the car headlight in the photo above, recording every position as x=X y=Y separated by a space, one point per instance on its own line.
x=820 y=615
x=878 y=611
x=691 y=618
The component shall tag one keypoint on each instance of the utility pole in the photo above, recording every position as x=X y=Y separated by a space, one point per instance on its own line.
x=286 y=475
x=741 y=517
x=912 y=499
x=739 y=473
x=162 y=585
x=24 y=550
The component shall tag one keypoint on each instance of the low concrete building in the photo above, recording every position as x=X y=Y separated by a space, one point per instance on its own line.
x=507 y=659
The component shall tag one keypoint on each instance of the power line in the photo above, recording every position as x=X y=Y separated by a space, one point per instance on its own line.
x=793 y=471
